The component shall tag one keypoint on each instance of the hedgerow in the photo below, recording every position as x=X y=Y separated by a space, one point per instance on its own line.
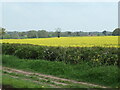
x=74 y=55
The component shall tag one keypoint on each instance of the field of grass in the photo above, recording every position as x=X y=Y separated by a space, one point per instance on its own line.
x=102 y=75
x=18 y=83
x=102 y=41
x=12 y=77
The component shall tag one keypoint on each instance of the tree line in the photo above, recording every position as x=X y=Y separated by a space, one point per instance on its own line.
x=4 y=34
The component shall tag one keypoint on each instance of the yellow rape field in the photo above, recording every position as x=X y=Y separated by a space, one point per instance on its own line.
x=86 y=41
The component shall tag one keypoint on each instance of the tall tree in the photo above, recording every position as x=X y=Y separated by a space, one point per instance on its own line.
x=2 y=32
x=58 y=30
x=69 y=33
x=32 y=34
x=116 y=32
x=104 y=32
x=43 y=34
x=77 y=33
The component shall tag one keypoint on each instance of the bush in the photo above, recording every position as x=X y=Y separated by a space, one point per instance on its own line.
x=74 y=55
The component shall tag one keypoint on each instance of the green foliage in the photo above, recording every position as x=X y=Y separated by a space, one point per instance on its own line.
x=32 y=34
x=104 y=32
x=103 y=75
x=27 y=52
x=73 y=55
x=116 y=32
x=47 y=34
x=9 y=49
x=18 y=83
x=43 y=34
x=2 y=32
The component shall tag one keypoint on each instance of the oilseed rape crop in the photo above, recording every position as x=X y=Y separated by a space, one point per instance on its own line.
x=86 y=41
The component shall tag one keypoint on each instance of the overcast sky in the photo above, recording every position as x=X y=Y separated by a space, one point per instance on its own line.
x=77 y=16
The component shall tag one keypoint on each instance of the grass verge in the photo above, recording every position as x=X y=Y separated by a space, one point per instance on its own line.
x=18 y=83
x=44 y=83
x=103 y=75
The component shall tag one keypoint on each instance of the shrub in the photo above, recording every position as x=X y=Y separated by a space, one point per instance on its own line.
x=74 y=55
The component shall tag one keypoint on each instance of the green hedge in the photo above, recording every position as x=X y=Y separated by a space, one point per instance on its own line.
x=95 y=55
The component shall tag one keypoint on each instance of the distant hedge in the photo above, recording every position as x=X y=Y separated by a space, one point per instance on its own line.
x=74 y=55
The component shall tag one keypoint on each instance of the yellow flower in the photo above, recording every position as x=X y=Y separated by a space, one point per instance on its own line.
x=42 y=86
x=97 y=60
x=86 y=41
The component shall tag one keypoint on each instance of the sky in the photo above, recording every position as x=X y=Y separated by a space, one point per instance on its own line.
x=69 y=16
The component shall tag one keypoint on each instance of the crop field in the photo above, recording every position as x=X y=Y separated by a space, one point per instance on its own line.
x=59 y=45
x=99 y=41
x=65 y=62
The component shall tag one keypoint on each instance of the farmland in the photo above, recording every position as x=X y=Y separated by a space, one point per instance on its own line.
x=59 y=45
x=101 y=41
x=84 y=59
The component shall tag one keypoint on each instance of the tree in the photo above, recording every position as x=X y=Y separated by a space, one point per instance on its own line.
x=116 y=32
x=7 y=36
x=77 y=34
x=17 y=34
x=58 y=30
x=32 y=34
x=14 y=35
x=43 y=34
x=104 y=32
x=98 y=34
x=69 y=33
x=89 y=33
x=22 y=34
x=2 y=32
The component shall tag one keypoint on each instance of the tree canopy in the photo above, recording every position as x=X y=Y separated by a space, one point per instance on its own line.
x=2 y=31
x=116 y=32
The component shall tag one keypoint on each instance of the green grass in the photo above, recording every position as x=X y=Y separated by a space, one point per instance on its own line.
x=31 y=77
x=49 y=81
x=103 y=75
x=18 y=83
x=0 y=77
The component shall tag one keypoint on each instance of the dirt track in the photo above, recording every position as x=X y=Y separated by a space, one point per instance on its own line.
x=56 y=82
